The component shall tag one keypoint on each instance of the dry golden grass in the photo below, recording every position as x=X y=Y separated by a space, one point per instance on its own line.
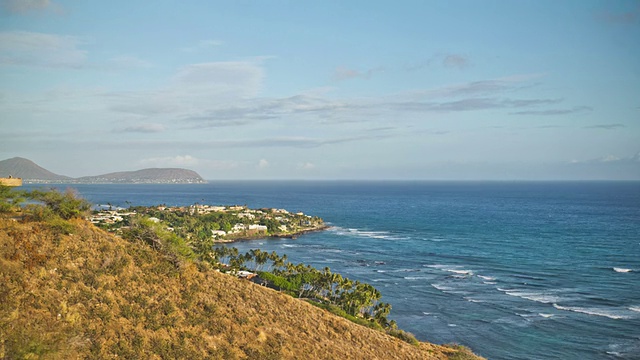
x=94 y=295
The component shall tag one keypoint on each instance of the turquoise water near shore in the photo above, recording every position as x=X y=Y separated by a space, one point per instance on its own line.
x=515 y=270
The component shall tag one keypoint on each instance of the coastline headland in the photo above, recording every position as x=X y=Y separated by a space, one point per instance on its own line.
x=220 y=224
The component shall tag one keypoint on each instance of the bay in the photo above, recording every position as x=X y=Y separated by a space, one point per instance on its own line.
x=514 y=270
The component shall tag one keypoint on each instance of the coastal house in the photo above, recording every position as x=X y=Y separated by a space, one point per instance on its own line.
x=246 y=215
x=242 y=274
x=257 y=227
x=218 y=233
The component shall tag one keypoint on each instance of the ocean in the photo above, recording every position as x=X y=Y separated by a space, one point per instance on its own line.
x=514 y=270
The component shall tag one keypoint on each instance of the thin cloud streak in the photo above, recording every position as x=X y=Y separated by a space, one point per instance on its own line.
x=605 y=126
x=24 y=48
x=552 y=112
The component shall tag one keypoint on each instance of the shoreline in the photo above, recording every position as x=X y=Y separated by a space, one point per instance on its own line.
x=275 y=236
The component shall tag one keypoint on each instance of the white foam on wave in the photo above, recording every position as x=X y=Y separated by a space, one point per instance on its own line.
x=621 y=270
x=473 y=300
x=460 y=272
x=456 y=269
x=592 y=311
x=438 y=266
x=416 y=278
x=540 y=297
x=488 y=278
x=489 y=282
x=384 y=235
x=442 y=287
x=546 y=316
x=634 y=308
x=290 y=245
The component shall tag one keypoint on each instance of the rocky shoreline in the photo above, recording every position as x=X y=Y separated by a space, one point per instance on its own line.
x=292 y=235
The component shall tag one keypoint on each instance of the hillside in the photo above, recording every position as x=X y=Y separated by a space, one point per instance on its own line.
x=90 y=294
x=26 y=169
x=156 y=175
x=30 y=172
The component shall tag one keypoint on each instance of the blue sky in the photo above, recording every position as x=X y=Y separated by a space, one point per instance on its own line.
x=324 y=90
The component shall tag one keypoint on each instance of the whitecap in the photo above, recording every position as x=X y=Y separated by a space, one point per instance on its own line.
x=621 y=270
x=634 y=308
x=473 y=300
x=546 y=316
x=591 y=311
x=415 y=278
x=488 y=278
x=384 y=235
x=441 y=287
x=489 y=282
x=460 y=272
x=439 y=266
x=540 y=297
x=426 y=313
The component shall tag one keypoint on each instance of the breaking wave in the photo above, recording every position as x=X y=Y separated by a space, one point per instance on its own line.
x=591 y=311
x=385 y=235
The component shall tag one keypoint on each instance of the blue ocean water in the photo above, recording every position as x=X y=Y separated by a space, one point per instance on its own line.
x=514 y=270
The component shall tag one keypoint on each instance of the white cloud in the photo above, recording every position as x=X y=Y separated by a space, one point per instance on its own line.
x=194 y=90
x=306 y=166
x=343 y=73
x=263 y=164
x=240 y=78
x=143 y=128
x=23 y=6
x=455 y=61
x=446 y=60
x=186 y=160
x=39 y=49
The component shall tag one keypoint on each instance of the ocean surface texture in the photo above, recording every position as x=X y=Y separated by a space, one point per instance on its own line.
x=514 y=270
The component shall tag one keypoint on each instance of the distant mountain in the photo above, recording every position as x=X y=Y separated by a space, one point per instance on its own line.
x=30 y=172
x=155 y=175
x=26 y=169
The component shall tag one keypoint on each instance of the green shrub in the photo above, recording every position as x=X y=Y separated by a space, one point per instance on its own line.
x=278 y=281
x=463 y=353
x=404 y=336
x=66 y=205
x=9 y=198
x=60 y=226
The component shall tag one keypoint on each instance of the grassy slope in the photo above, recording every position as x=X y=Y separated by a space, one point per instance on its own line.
x=94 y=295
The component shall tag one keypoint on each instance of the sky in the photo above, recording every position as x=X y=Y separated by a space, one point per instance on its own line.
x=434 y=90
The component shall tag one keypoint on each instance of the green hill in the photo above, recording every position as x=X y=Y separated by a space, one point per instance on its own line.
x=23 y=168
x=29 y=171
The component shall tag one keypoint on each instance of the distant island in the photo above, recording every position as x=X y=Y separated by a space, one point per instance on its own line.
x=32 y=173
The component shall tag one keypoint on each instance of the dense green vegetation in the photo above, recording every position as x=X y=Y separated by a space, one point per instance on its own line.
x=356 y=299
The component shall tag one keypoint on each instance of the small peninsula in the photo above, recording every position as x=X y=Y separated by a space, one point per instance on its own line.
x=220 y=223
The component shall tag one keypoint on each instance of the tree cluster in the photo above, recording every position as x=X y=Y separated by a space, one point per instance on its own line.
x=355 y=298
